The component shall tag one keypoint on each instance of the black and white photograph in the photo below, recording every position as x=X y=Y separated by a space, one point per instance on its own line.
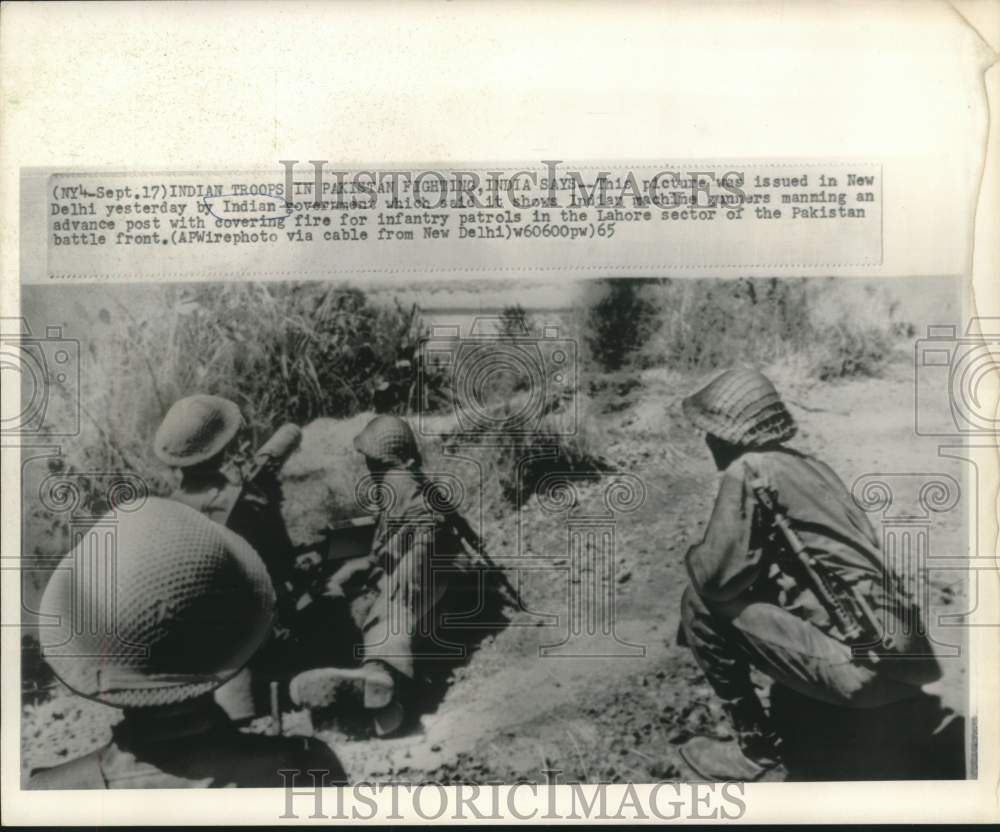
x=606 y=530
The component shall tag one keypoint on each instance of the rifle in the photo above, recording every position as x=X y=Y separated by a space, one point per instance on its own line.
x=467 y=535
x=861 y=625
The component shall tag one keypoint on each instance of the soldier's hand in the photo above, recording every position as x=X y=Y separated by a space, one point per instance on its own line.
x=334 y=588
x=337 y=581
x=308 y=561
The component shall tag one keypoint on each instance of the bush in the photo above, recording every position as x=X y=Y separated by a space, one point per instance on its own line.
x=282 y=352
x=833 y=329
x=515 y=322
x=620 y=319
x=291 y=352
x=715 y=323
x=561 y=441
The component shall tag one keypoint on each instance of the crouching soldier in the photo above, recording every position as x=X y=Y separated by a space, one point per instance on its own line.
x=171 y=612
x=416 y=558
x=199 y=436
x=789 y=579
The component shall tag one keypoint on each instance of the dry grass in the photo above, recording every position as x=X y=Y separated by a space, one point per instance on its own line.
x=831 y=328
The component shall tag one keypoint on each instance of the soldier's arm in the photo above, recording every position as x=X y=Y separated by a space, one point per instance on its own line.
x=723 y=565
x=411 y=551
x=258 y=518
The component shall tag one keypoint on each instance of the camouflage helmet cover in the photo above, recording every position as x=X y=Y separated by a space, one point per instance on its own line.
x=155 y=606
x=196 y=428
x=742 y=407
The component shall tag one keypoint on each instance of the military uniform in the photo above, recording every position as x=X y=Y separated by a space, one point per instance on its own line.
x=419 y=568
x=417 y=560
x=252 y=510
x=750 y=603
x=192 y=437
x=193 y=603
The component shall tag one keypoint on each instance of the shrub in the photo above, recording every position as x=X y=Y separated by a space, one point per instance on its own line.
x=713 y=323
x=515 y=322
x=282 y=352
x=855 y=333
x=620 y=319
x=292 y=352
x=560 y=441
x=833 y=329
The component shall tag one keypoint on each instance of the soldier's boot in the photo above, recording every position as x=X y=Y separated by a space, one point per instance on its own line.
x=754 y=754
x=373 y=683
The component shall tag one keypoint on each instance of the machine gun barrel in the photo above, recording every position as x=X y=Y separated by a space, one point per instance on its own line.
x=273 y=453
x=468 y=536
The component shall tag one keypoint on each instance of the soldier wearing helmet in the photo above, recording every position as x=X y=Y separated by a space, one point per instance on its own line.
x=753 y=602
x=198 y=436
x=402 y=645
x=188 y=605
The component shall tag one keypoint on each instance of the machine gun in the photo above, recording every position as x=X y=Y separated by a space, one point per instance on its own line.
x=859 y=623
x=272 y=455
x=467 y=535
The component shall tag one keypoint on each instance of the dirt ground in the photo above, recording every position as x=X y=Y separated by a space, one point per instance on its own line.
x=511 y=714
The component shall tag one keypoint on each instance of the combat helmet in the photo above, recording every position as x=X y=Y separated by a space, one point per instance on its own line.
x=196 y=428
x=742 y=407
x=388 y=440
x=155 y=606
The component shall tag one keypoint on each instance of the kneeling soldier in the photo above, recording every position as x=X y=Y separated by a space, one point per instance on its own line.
x=198 y=436
x=172 y=612
x=416 y=557
x=789 y=579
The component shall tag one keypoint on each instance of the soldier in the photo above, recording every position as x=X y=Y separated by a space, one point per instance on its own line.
x=753 y=600
x=191 y=603
x=199 y=436
x=416 y=557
